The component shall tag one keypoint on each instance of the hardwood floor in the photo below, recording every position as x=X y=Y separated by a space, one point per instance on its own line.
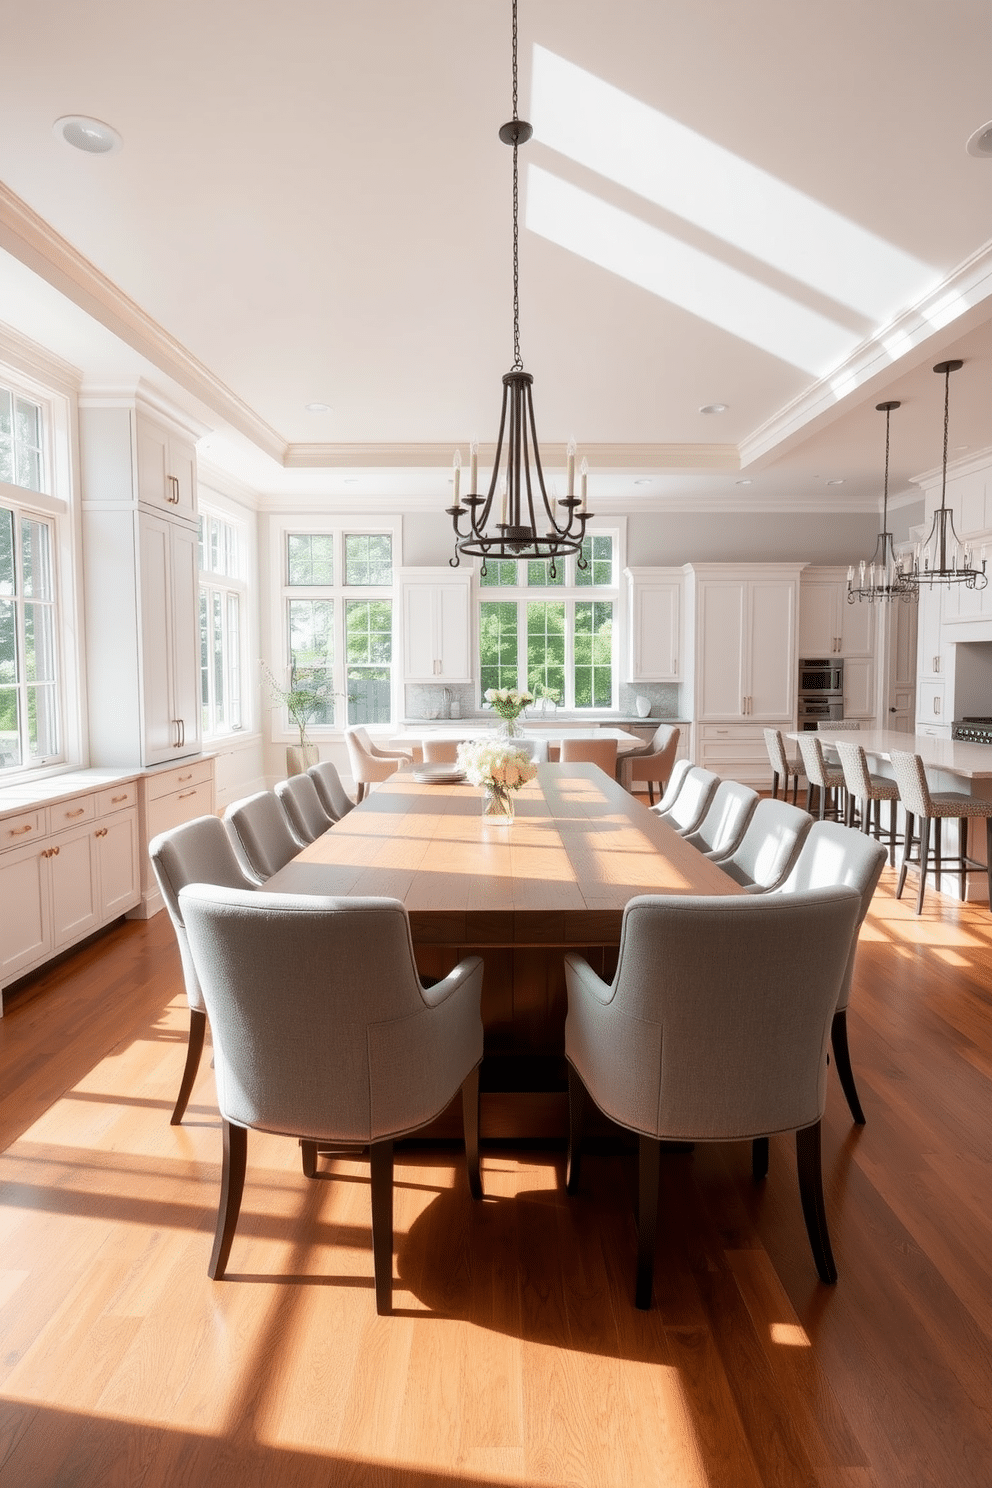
x=515 y=1354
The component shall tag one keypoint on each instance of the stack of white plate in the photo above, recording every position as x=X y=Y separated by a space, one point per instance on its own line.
x=444 y=774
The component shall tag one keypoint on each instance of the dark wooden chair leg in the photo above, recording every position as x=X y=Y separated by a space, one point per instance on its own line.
x=194 y=1048
x=648 y=1169
x=907 y=843
x=470 y=1121
x=381 y=1157
x=232 y=1186
x=842 y=1061
x=809 y=797
x=937 y=850
x=650 y=792
x=893 y=813
x=963 y=831
x=795 y=789
x=811 y=1194
x=308 y=1153
x=988 y=853
x=775 y=786
x=759 y=1158
x=924 y=857
x=576 y=1121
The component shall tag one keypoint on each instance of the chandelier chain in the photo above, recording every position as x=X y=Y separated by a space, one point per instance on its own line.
x=517 y=360
x=947 y=406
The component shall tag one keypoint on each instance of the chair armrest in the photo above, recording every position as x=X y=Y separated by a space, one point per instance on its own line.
x=449 y=986
x=392 y=754
x=580 y=974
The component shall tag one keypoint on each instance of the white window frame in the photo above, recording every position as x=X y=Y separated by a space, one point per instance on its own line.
x=571 y=593
x=337 y=527
x=30 y=372
x=228 y=586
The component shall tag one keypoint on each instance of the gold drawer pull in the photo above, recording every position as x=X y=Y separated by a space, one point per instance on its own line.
x=182 y=778
x=53 y=852
x=19 y=831
x=185 y=795
x=101 y=832
x=80 y=811
x=114 y=799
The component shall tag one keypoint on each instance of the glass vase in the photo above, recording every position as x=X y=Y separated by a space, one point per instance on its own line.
x=510 y=728
x=497 y=804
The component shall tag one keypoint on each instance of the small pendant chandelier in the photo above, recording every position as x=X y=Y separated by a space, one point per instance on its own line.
x=527 y=526
x=881 y=578
x=943 y=559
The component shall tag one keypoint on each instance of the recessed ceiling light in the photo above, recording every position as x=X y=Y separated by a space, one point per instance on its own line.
x=714 y=408
x=90 y=135
x=742 y=483
x=837 y=481
x=980 y=143
x=317 y=407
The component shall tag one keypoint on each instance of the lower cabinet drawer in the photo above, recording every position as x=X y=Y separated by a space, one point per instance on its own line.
x=165 y=812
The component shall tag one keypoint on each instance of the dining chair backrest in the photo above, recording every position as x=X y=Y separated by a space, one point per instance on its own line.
x=198 y=851
x=663 y=736
x=334 y=798
x=693 y=800
x=854 y=763
x=777 y=756
x=814 y=764
x=911 y=778
x=440 y=751
x=262 y=837
x=299 y=799
x=676 y=780
x=725 y=823
x=601 y=752
x=536 y=748
x=834 y=854
x=836 y=725
x=769 y=847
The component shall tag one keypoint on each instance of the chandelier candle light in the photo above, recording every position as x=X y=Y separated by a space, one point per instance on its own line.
x=882 y=577
x=942 y=559
x=528 y=526
x=501 y=770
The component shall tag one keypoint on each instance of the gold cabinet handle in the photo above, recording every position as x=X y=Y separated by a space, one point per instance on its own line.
x=183 y=778
x=19 y=831
x=100 y=832
x=114 y=799
x=185 y=795
x=80 y=811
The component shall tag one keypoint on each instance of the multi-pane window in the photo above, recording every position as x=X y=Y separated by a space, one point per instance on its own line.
x=546 y=633
x=338 y=597
x=223 y=607
x=29 y=692
x=21 y=430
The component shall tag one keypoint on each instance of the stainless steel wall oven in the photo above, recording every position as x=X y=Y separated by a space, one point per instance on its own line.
x=821 y=691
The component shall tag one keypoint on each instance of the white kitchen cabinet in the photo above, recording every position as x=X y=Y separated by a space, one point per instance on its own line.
x=859 y=687
x=655 y=610
x=746 y=648
x=141 y=565
x=437 y=627
x=166 y=799
x=66 y=869
x=828 y=625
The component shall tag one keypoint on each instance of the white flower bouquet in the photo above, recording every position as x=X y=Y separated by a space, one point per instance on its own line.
x=508 y=702
x=500 y=768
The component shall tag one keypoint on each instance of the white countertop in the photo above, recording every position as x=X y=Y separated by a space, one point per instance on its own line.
x=17 y=796
x=970 y=761
x=457 y=731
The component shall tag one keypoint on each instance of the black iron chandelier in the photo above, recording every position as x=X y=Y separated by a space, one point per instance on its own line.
x=942 y=558
x=881 y=578
x=528 y=526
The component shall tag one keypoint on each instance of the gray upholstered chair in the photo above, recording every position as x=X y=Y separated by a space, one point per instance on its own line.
x=769 y=847
x=820 y=775
x=868 y=790
x=697 y=789
x=299 y=799
x=199 y=851
x=323 y=1031
x=263 y=839
x=370 y=763
x=833 y=854
x=722 y=828
x=715 y=1028
x=601 y=752
x=652 y=764
x=925 y=806
x=333 y=796
x=673 y=789
x=784 y=766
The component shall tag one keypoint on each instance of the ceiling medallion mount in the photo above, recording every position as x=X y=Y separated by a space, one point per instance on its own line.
x=882 y=577
x=943 y=558
x=528 y=525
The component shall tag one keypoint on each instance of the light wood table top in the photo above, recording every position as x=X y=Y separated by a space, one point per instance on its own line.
x=579 y=849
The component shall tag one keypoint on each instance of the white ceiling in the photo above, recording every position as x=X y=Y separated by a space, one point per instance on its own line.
x=722 y=203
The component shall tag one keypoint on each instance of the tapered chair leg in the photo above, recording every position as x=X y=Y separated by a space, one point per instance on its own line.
x=650 y=792
x=194 y=1048
x=924 y=856
x=381 y=1156
x=759 y=1158
x=308 y=1153
x=576 y=1121
x=648 y=1168
x=907 y=843
x=963 y=849
x=842 y=1062
x=811 y=1194
x=231 y=1188
x=775 y=786
x=470 y=1121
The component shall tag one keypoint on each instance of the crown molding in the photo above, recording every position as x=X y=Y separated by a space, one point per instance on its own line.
x=37 y=362
x=713 y=457
x=964 y=290
x=34 y=243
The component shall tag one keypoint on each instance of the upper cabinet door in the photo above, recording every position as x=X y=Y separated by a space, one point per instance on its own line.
x=721 y=646
x=858 y=628
x=656 y=631
x=772 y=684
x=436 y=630
x=166 y=469
x=819 y=620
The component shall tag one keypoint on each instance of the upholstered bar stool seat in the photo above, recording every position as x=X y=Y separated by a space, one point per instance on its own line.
x=869 y=791
x=784 y=767
x=820 y=776
x=926 y=806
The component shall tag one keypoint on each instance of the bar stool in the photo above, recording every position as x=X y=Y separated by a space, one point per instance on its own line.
x=868 y=791
x=825 y=778
x=783 y=768
x=919 y=801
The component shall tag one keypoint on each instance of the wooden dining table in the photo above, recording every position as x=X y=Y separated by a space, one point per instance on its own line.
x=517 y=895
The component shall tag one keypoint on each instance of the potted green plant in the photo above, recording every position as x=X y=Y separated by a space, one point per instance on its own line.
x=309 y=692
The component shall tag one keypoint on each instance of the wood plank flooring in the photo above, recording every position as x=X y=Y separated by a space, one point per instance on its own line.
x=515 y=1354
